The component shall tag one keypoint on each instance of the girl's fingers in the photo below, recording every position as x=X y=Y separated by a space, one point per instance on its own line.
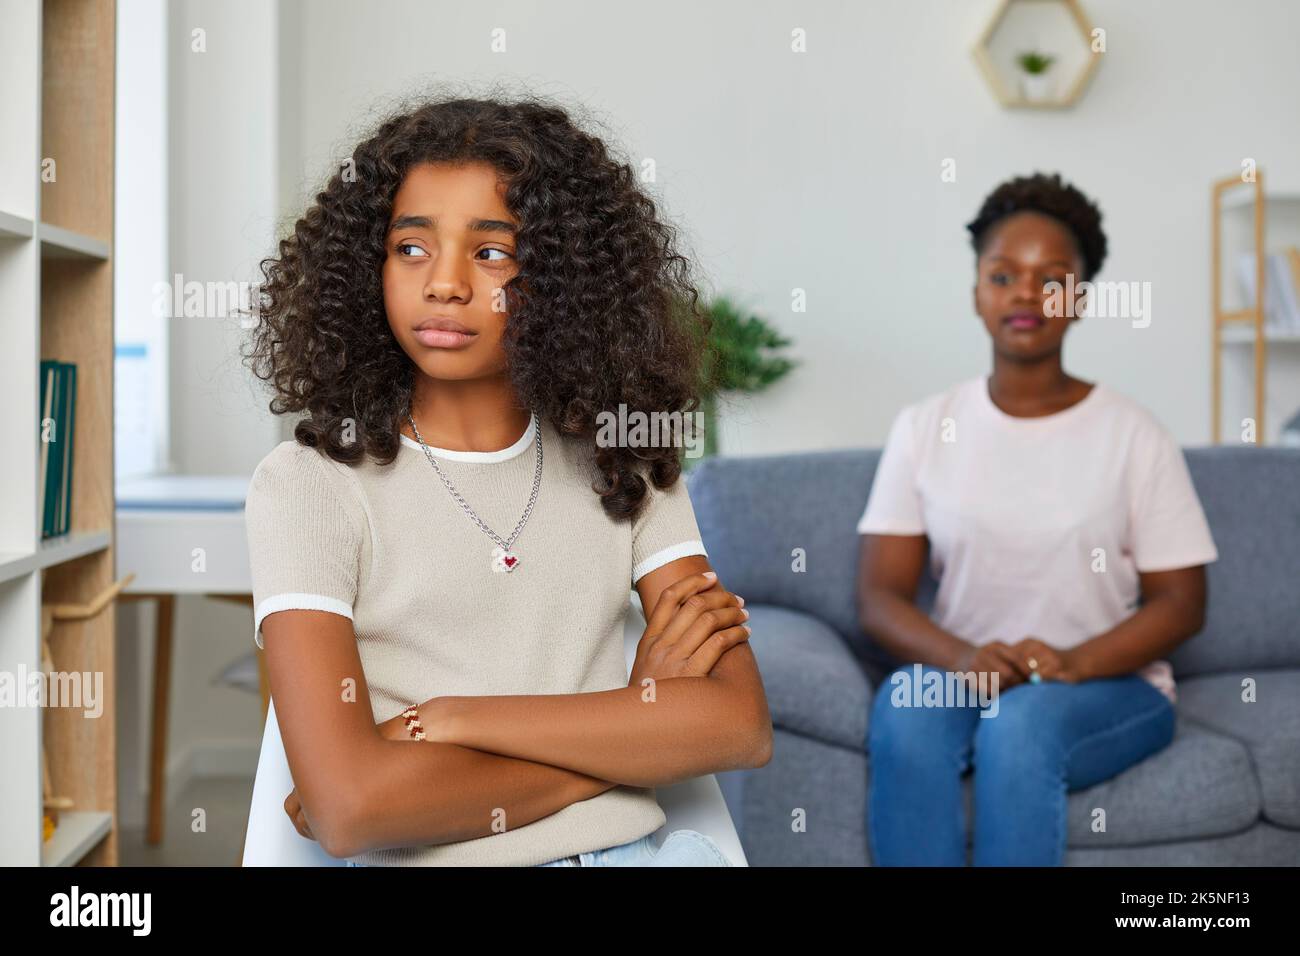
x=693 y=607
x=705 y=625
x=718 y=643
x=671 y=597
x=293 y=807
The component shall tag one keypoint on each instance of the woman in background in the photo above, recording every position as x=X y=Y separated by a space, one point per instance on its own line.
x=1069 y=546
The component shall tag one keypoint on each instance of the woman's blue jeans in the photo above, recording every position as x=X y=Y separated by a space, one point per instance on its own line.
x=1039 y=742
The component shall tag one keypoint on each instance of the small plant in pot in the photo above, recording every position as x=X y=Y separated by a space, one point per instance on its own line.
x=1035 y=81
x=741 y=357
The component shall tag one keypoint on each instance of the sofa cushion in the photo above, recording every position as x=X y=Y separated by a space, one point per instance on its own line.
x=814 y=685
x=1269 y=727
x=759 y=517
x=1251 y=498
x=1201 y=785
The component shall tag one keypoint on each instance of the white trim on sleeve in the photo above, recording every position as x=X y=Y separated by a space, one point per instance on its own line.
x=888 y=527
x=1176 y=560
x=297 y=602
x=660 y=558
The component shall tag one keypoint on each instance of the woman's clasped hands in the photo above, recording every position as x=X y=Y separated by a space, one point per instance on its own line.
x=1028 y=660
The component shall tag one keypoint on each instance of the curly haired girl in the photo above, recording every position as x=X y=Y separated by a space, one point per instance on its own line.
x=449 y=539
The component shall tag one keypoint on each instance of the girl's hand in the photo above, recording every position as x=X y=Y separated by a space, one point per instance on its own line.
x=693 y=624
x=394 y=728
x=1050 y=663
x=293 y=807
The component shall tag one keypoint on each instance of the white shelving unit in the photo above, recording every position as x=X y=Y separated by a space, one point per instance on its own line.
x=1255 y=369
x=56 y=284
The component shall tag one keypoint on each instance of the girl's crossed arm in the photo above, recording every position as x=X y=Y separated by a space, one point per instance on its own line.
x=695 y=704
x=359 y=791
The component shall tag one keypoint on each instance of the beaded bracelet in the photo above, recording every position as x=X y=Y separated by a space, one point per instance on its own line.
x=413 y=725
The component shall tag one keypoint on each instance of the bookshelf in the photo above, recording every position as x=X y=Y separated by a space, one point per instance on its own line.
x=56 y=283
x=1247 y=217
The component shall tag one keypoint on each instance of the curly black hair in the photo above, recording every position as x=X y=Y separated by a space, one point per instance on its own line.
x=603 y=309
x=1050 y=196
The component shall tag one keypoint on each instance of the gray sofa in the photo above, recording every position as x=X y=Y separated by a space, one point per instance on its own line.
x=1226 y=791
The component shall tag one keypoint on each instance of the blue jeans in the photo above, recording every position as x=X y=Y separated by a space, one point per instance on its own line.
x=1044 y=740
x=680 y=848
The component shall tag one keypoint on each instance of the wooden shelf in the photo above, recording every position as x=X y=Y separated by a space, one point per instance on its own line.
x=1245 y=335
x=16 y=564
x=60 y=243
x=57 y=71
x=69 y=547
x=1245 y=198
x=52 y=552
x=75 y=836
x=15 y=227
x=1270 y=224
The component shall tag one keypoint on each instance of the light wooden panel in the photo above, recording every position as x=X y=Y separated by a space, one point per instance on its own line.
x=76 y=325
x=77 y=115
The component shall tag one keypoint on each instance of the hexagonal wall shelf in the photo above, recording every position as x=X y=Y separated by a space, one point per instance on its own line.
x=1057 y=28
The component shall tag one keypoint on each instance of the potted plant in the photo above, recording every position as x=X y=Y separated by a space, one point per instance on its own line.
x=738 y=358
x=1035 y=83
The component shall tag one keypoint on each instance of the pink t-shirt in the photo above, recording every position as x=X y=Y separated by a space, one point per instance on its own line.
x=1038 y=526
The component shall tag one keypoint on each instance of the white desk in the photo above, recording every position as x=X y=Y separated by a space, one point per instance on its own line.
x=163 y=521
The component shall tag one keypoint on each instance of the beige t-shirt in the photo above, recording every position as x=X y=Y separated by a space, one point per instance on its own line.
x=390 y=548
x=1039 y=526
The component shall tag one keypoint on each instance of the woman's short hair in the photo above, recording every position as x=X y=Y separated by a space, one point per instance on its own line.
x=1050 y=196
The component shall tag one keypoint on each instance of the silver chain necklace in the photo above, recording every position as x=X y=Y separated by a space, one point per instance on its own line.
x=503 y=558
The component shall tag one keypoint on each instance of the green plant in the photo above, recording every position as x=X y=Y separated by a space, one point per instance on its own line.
x=1035 y=63
x=738 y=358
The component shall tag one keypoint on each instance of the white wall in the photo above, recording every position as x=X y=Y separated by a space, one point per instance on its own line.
x=224 y=176
x=821 y=170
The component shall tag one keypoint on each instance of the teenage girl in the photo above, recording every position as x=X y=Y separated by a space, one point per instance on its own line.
x=442 y=558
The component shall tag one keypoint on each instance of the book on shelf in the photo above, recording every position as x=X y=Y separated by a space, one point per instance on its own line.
x=56 y=431
x=1281 y=289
